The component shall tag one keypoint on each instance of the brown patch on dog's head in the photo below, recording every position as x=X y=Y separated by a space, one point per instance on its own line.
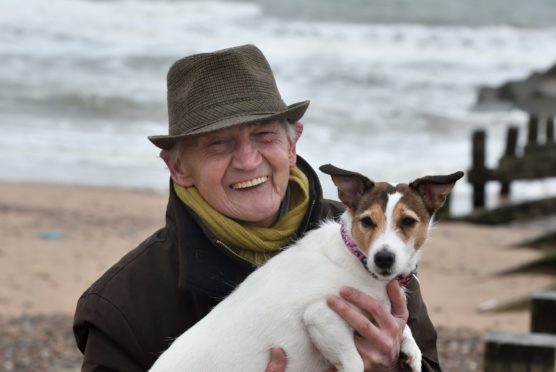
x=411 y=216
x=369 y=219
x=420 y=200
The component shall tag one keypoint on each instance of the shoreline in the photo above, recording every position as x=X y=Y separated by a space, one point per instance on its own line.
x=94 y=226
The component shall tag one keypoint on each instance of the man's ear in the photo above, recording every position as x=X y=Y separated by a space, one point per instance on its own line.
x=298 y=129
x=177 y=173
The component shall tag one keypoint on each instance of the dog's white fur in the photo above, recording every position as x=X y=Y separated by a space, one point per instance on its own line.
x=283 y=304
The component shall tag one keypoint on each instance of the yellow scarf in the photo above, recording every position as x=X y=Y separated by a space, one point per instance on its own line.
x=253 y=244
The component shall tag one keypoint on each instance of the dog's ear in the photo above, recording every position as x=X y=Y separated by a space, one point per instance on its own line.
x=351 y=185
x=435 y=189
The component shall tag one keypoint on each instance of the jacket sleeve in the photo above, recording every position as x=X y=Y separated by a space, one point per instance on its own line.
x=103 y=354
x=422 y=327
x=105 y=338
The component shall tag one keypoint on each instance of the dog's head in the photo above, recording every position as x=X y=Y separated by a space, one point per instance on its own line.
x=390 y=223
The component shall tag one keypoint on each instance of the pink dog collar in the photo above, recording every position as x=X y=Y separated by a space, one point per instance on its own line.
x=362 y=257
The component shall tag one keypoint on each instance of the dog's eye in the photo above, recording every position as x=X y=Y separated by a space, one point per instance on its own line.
x=367 y=222
x=408 y=222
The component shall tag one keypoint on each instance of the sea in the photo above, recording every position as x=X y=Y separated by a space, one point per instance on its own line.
x=393 y=83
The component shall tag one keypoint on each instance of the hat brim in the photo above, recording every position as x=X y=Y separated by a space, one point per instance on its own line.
x=292 y=114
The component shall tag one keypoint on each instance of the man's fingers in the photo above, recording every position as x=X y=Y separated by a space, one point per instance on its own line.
x=379 y=331
x=372 y=307
x=277 y=361
x=359 y=322
x=398 y=300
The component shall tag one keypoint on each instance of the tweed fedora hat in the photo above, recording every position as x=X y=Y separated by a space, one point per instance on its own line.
x=211 y=91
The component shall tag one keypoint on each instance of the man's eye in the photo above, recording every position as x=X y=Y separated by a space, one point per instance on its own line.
x=265 y=136
x=218 y=145
x=218 y=141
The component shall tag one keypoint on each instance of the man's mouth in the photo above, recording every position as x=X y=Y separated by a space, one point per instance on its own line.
x=249 y=183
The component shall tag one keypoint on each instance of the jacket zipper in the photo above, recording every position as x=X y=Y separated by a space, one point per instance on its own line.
x=313 y=202
x=222 y=244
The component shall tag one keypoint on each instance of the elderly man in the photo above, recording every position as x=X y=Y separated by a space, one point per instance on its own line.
x=238 y=195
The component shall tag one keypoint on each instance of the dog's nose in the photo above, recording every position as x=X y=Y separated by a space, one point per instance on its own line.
x=384 y=259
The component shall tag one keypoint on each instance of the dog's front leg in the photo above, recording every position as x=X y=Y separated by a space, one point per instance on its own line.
x=411 y=350
x=333 y=337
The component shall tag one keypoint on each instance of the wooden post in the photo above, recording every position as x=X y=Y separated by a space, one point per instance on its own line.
x=478 y=166
x=511 y=144
x=549 y=130
x=533 y=130
x=520 y=352
x=511 y=141
x=543 y=312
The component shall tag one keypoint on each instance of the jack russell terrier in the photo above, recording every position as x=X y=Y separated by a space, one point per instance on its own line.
x=283 y=303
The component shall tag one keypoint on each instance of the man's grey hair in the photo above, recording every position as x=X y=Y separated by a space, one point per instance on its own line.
x=176 y=152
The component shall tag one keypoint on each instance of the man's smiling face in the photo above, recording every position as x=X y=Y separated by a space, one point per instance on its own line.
x=242 y=171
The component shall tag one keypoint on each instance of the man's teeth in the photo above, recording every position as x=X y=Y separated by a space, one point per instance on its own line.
x=250 y=183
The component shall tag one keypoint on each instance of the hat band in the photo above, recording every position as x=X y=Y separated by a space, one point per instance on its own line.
x=209 y=116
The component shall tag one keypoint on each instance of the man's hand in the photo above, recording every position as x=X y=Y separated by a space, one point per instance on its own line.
x=378 y=333
x=277 y=361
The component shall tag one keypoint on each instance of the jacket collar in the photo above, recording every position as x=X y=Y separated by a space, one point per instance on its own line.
x=205 y=267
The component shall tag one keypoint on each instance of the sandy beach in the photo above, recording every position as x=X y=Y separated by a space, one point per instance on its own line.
x=57 y=239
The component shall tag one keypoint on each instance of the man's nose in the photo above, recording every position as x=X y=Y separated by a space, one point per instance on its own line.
x=246 y=156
